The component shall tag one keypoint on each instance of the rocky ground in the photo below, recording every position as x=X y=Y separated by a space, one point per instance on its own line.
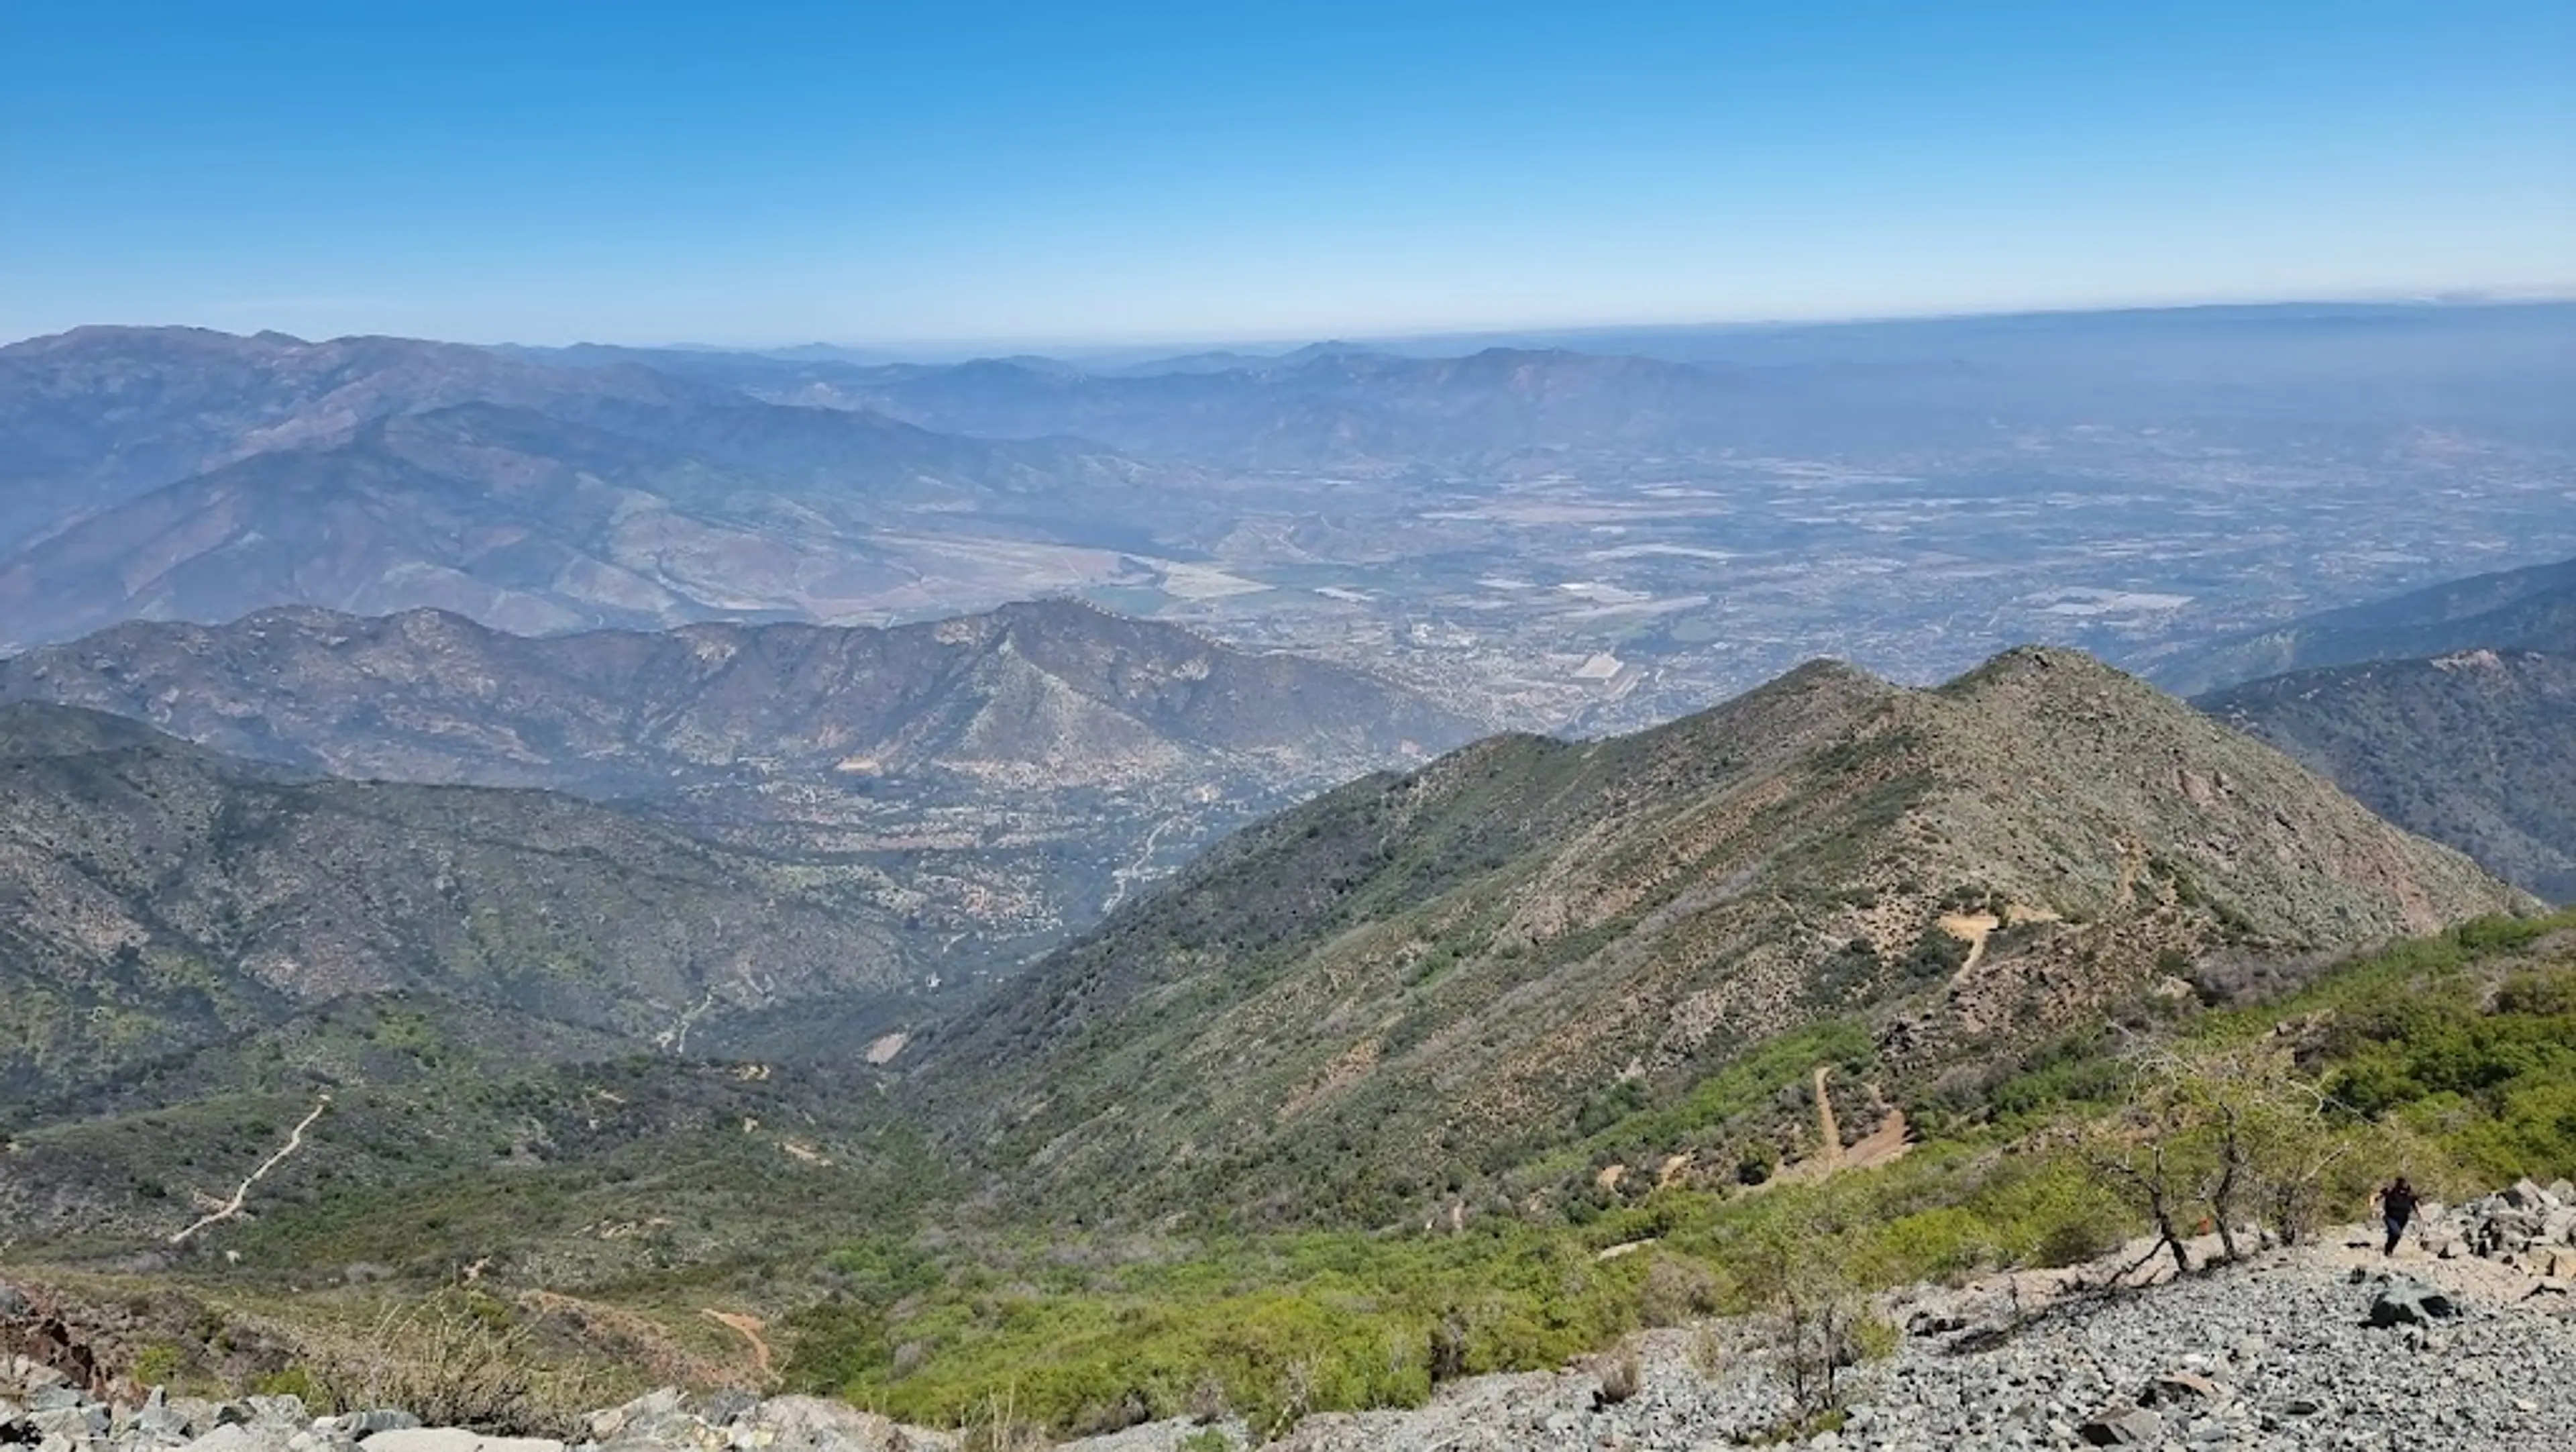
x=2466 y=1338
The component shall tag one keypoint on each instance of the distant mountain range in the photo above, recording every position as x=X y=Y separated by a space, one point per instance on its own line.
x=1307 y=409
x=2525 y=609
x=1497 y=518
x=160 y=897
x=1014 y=771
x=1834 y=389
x=173 y=473
x=1419 y=980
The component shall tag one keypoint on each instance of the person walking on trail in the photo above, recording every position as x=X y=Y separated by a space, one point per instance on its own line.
x=2396 y=1208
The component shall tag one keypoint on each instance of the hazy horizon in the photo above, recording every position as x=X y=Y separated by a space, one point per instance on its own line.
x=999 y=176
x=1463 y=339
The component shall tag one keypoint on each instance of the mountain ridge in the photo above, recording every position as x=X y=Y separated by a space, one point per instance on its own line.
x=162 y=895
x=2014 y=849
x=2476 y=749
x=1014 y=769
x=856 y=690
x=182 y=473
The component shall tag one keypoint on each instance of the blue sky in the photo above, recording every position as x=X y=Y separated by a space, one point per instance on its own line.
x=757 y=173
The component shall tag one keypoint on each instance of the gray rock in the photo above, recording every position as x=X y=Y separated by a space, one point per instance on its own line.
x=362 y=1424
x=2123 y=1427
x=197 y=1415
x=235 y=1437
x=31 y=1375
x=453 y=1439
x=2407 y=1302
x=639 y=1417
x=72 y=1423
x=2185 y=1389
x=816 y=1424
x=286 y=1408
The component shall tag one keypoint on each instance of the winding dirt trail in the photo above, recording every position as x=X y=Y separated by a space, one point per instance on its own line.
x=230 y=1208
x=1829 y=1134
x=1888 y=1141
x=748 y=1327
x=1971 y=929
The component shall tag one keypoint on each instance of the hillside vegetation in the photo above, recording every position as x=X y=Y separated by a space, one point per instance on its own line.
x=1413 y=992
x=2476 y=749
x=1471 y=1068
x=1012 y=771
x=161 y=898
x=2452 y=1059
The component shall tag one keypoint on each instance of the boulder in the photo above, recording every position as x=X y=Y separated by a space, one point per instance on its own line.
x=2123 y=1427
x=2404 y=1302
x=818 y=1424
x=640 y=1418
x=233 y=1437
x=285 y=1409
x=157 y=1421
x=75 y=1423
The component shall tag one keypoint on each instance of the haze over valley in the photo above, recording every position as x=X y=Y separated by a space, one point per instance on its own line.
x=1545 y=539
x=1348 y=728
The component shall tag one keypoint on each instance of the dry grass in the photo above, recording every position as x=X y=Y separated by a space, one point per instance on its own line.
x=456 y=1359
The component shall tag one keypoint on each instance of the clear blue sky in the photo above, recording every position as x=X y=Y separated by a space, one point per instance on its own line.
x=743 y=172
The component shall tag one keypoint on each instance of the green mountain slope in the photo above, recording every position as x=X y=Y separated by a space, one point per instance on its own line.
x=458 y=1131
x=1014 y=770
x=2476 y=749
x=2527 y=609
x=1415 y=983
x=158 y=897
x=1054 y=692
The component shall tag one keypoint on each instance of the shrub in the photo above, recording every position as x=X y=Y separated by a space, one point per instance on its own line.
x=1675 y=1291
x=2077 y=1240
x=1621 y=1376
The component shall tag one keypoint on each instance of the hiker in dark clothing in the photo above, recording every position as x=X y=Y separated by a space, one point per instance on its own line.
x=2396 y=1207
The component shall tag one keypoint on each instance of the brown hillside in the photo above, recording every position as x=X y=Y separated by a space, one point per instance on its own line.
x=1440 y=969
